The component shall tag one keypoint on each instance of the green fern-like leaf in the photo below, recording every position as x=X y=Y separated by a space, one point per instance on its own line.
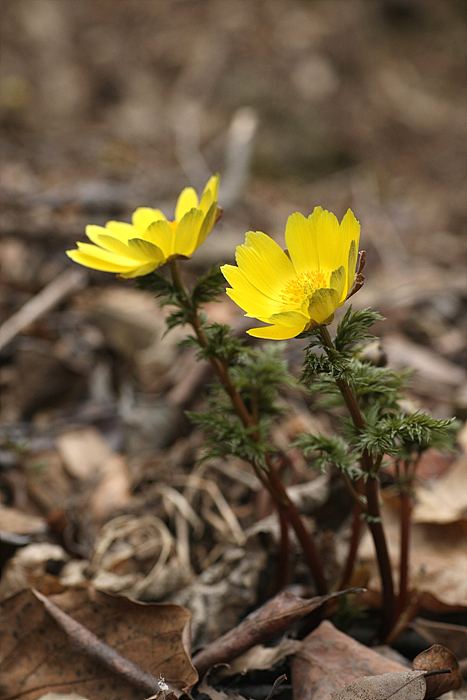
x=326 y=450
x=221 y=343
x=259 y=375
x=208 y=287
x=352 y=329
x=158 y=283
x=226 y=435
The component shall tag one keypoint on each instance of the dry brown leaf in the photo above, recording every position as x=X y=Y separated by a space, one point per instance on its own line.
x=28 y=569
x=408 y=685
x=260 y=657
x=113 y=490
x=438 y=555
x=15 y=521
x=83 y=452
x=216 y=693
x=329 y=659
x=62 y=696
x=435 y=658
x=235 y=577
x=37 y=655
x=48 y=484
x=445 y=500
x=87 y=457
x=273 y=617
x=454 y=637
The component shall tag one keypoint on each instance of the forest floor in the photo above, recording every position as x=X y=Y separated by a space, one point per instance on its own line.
x=108 y=106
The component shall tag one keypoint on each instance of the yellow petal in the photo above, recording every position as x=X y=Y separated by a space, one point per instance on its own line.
x=264 y=263
x=289 y=318
x=121 y=230
x=350 y=229
x=248 y=297
x=332 y=253
x=144 y=250
x=210 y=193
x=212 y=185
x=208 y=222
x=338 y=282
x=144 y=217
x=188 y=200
x=352 y=264
x=300 y=239
x=93 y=232
x=139 y=271
x=322 y=305
x=105 y=254
x=98 y=259
x=114 y=245
x=161 y=235
x=315 y=216
x=187 y=232
x=276 y=332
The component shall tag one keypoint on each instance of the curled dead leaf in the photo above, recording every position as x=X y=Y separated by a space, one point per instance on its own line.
x=450 y=635
x=435 y=658
x=56 y=644
x=273 y=617
x=408 y=685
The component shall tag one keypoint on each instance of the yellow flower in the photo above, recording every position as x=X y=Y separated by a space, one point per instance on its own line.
x=150 y=240
x=300 y=292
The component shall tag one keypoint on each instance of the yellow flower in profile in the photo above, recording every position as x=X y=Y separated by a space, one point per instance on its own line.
x=299 y=289
x=150 y=240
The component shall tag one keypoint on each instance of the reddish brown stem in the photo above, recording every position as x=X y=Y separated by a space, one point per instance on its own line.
x=382 y=555
x=283 y=559
x=372 y=496
x=406 y=510
x=281 y=497
x=354 y=541
x=269 y=478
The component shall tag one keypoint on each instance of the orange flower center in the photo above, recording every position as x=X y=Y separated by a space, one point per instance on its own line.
x=301 y=287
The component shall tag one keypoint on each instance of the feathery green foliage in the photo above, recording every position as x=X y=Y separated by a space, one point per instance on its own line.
x=258 y=375
x=220 y=343
x=352 y=329
x=371 y=385
x=167 y=294
x=386 y=430
x=406 y=436
x=329 y=450
x=225 y=434
x=208 y=287
x=159 y=284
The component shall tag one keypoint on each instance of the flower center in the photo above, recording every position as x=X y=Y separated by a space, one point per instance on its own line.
x=301 y=287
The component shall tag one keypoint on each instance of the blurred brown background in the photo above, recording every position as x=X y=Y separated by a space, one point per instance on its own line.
x=358 y=103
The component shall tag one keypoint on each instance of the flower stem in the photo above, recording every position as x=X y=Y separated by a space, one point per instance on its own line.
x=372 y=495
x=354 y=540
x=406 y=508
x=405 y=496
x=282 y=499
x=282 y=569
x=270 y=478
